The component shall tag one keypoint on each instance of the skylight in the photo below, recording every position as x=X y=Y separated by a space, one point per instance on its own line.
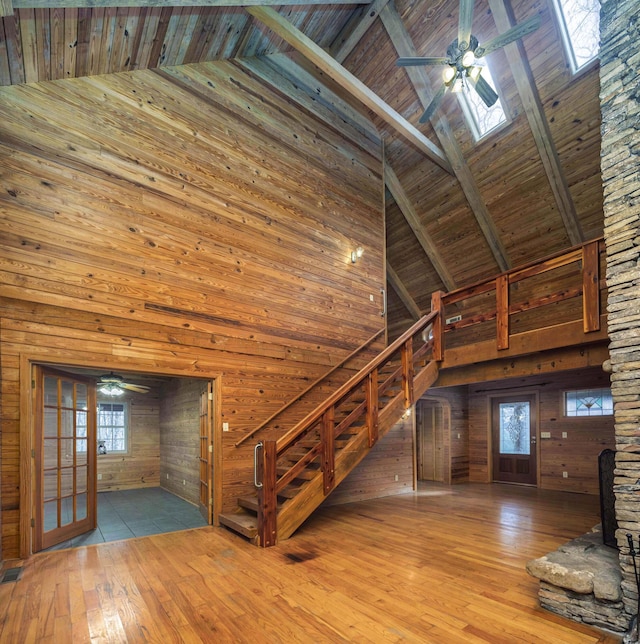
x=481 y=119
x=579 y=22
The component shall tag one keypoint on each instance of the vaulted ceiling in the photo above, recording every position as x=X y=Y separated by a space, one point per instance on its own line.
x=457 y=210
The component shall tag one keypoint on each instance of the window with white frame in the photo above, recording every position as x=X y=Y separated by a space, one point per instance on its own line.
x=579 y=22
x=112 y=426
x=588 y=402
x=481 y=119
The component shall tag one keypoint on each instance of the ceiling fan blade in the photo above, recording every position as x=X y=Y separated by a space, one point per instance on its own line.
x=421 y=60
x=516 y=32
x=485 y=91
x=435 y=102
x=464 y=24
x=141 y=389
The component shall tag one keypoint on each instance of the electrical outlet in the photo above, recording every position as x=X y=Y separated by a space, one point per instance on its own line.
x=395 y=477
x=564 y=434
x=99 y=477
x=167 y=475
x=184 y=482
x=565 y=475
x=370 y=297
x=225 y=427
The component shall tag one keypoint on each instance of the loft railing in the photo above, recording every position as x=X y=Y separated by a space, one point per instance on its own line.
x=556 y=281
x=354 y=410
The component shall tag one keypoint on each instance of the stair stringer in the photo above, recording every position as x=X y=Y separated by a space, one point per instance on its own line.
x=297 y=510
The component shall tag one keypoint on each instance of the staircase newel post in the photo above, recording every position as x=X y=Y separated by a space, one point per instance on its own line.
x=267 y=498
x=438 y=325
x=328 y=450
x=407 y=372
x=372 y=407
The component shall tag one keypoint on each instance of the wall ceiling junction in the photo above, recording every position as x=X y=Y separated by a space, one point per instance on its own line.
x=457 y=210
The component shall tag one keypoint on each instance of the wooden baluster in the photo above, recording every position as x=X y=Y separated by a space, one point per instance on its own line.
x=328 y=450
x=438 y=325
x=407 y=372
x=372 y=407
x=267 y=499
x=591 y=287
x=502 y=311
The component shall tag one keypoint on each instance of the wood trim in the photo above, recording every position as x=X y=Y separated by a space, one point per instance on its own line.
x=272 y=19
x=591 y=287
x=502 y=312
x=27 y=428
x=555 y=337
x=217 y=450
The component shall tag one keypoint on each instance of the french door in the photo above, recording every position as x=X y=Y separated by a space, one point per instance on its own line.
x=65 y=457
x=206 y=454
x=514 y=436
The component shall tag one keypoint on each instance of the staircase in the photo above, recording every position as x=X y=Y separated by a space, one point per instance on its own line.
x=294 y=474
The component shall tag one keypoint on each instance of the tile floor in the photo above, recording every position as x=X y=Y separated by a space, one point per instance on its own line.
x=137 y=513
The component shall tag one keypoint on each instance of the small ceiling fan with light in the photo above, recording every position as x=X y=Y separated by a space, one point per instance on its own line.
x=462 y=58
x=112 y=384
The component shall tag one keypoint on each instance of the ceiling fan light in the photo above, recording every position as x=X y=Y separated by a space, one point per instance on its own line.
x=474 y=72
x=110 y=389
x=468 y=59
x=448 y=74
x=458 y=86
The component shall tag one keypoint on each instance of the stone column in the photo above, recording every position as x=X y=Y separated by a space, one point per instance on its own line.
x=620 y=158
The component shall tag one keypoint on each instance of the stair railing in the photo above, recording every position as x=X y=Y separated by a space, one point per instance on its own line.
x=297 y=397
x=381 y=387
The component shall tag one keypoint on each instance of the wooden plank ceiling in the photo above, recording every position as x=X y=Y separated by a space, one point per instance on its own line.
x=457 y=210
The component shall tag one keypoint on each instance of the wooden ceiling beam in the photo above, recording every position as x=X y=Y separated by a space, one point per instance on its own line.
x=301 y=87
x=355 y=29
x=277 y=23
x=420 y=79
x=397 y=285
x=406 y=207
x=6 y=8
x=516 y=55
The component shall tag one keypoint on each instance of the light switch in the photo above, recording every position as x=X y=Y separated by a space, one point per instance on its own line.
x=545 y=434
x=564 y=434
x=225 y=427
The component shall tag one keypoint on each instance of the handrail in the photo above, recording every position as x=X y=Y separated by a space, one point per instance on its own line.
x=253 y=432
x=465 y=291
x=287 y=439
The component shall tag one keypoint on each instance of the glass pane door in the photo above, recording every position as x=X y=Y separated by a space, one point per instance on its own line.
x=65 y=457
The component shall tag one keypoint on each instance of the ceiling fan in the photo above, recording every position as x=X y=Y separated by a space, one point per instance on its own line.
x=112 y=384
x=461 y=59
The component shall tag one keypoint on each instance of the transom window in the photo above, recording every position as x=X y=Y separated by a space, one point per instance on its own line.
x=588 y=402
x=480 y=118
x=579 y=22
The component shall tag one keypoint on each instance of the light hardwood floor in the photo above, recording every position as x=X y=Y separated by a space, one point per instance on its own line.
x=445 y=564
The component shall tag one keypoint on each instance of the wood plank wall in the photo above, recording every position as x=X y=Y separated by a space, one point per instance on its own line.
x=140 y=467
x=183 y=222
x=577 y=454
x=376 y=475
x=180 y=437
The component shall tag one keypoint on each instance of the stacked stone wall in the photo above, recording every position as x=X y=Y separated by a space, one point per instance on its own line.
x=620 y=159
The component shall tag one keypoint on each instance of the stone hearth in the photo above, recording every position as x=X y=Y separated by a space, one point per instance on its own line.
x=581 y=580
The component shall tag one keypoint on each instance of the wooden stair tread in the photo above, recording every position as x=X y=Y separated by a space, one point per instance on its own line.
x=241 y=522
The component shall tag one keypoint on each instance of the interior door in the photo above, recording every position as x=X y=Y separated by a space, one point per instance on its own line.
x=65 y=457
x=514 y=431
x=206 y=454
x=430 y=439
